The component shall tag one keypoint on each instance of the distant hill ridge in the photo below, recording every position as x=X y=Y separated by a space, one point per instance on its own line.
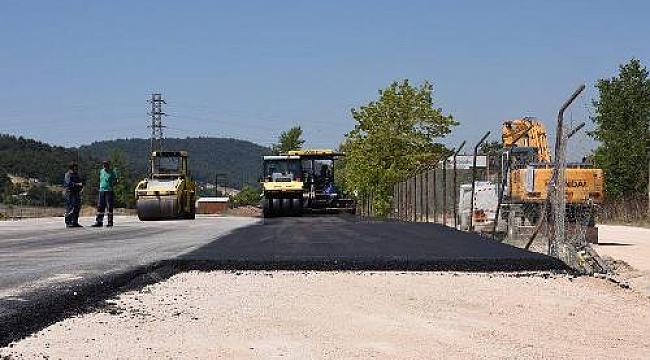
x=240 y=160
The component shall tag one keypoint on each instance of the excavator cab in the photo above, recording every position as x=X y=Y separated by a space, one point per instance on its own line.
x=168 y=192
x=519 y=158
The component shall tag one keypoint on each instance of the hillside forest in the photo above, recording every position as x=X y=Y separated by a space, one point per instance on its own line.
x=32 y=171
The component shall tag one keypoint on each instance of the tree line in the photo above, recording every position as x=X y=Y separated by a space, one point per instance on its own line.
x=46 y=165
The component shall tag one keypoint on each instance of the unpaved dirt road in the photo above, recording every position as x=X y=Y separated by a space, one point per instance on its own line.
x=356 y=315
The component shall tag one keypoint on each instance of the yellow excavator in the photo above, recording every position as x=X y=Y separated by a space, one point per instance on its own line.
x=528 y=158
x=302 y=181
x=169 y=192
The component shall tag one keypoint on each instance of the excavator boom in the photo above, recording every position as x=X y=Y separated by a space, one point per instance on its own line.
x=527 y=132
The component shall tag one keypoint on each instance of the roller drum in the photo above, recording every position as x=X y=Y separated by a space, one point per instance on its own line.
x=158 y=208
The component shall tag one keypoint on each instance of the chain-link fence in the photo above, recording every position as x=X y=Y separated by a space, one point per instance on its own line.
x=518 y=195
x=17 y=212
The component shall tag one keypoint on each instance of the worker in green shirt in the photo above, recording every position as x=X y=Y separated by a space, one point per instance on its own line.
x=106 y=200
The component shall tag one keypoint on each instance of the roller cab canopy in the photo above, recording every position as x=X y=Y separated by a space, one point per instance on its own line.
x=169 y=163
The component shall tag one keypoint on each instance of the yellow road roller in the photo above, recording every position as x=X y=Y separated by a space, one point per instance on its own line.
x=169 y=192
x=282 y=186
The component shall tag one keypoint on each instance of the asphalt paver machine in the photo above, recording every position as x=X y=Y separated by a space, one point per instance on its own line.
x=302 y=181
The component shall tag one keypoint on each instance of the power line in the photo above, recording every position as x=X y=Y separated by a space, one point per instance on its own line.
x=236 y=123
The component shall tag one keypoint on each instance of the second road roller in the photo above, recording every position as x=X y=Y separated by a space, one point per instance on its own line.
x=169 y=192
x=302 y=181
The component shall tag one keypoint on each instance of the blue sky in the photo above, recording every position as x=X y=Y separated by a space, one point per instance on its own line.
x=74 y=72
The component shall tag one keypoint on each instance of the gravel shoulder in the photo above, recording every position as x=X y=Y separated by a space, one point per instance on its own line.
x=627 y=250
x=627 y=243
x=356 y=315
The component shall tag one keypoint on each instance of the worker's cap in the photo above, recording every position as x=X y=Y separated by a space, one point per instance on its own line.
x=106 y=162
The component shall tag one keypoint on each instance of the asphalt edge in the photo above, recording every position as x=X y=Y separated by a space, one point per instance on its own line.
x=41 y=308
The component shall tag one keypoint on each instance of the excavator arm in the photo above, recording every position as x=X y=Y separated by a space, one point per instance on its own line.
x=534 y=136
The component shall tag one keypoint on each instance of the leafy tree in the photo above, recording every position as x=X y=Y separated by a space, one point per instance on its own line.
x=289 y=140
x=622 y=119
x=248 y=196
x=393 y=137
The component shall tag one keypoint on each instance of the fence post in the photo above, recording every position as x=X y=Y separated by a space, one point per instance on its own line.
x=444 y=191
x=403 y=200
x=435 y=191
x=395 y=210
x=397 y=196
x=557 y=179
x=421 y=178
x=455 y=197
x=405 y=203
x=426 y=206
x=471 y=208
x=415 y=198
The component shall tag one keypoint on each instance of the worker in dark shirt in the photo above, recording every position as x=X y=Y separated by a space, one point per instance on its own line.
x=73 y=185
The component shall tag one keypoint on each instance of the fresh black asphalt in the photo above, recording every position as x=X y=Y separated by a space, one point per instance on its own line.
x=352 y=243
x=305 y=243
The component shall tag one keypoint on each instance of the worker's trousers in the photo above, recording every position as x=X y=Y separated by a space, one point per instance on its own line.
x=105 y=202
x=72 y=207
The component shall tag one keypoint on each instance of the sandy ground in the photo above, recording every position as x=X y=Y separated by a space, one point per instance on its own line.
x=627 y=249
x=627 y=243
x=350 y=315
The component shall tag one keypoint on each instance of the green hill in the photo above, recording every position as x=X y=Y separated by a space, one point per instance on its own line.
x=34 y=159
x=240 y=160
